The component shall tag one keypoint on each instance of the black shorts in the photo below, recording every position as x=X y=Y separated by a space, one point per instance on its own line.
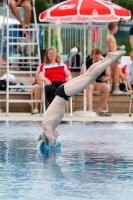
x=21 y=2
x=61 y=93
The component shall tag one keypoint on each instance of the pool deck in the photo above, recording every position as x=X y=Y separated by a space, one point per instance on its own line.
x=116 y=117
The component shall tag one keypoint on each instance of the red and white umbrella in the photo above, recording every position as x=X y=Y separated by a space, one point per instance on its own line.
x=84 y=10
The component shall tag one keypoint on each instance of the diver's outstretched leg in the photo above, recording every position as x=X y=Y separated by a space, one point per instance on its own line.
x=79 y=84
x=93 y=66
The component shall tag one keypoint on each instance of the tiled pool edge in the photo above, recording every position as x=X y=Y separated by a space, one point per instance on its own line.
x=37 y=117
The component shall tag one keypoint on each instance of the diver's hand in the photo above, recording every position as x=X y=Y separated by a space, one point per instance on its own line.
x=50 y=140
x=47 y=139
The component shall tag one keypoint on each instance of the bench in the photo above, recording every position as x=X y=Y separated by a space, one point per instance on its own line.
x=116 y=103
x=24 y=96
x=16 y=107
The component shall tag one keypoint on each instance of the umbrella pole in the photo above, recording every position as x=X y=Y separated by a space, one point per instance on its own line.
x=90 y=37
x=84 y=112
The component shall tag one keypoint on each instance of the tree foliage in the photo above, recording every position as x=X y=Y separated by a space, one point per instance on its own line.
x=125 y=4
x=40 y=6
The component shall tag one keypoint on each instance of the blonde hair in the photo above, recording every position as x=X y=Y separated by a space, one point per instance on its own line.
x=46 y=59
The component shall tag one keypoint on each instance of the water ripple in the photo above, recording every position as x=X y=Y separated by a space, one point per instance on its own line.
x=94 y=161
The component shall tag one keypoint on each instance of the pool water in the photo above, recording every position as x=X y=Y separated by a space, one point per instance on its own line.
x=94 y=161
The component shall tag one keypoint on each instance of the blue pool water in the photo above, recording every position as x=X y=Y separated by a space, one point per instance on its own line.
x=95 y=161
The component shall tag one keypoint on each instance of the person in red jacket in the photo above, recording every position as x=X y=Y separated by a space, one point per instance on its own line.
x=53 y=73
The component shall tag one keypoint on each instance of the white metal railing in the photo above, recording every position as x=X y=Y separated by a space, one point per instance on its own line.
x=71 y=35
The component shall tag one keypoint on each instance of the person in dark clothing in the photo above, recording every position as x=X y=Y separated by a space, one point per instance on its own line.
x=100 y=84
x=131 y=37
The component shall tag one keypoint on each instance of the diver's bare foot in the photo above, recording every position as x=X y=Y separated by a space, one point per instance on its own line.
x=115 y=53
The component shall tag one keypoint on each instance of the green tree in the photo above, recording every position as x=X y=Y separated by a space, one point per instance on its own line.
x=125 y=4
x=40 y=6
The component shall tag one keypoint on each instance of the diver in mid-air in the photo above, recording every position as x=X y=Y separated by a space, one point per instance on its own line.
x=56 y=110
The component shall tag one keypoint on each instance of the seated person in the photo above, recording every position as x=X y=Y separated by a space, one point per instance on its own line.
x=131 y=37
x=122 y=79
x=36 y=92
x=26 y=5
x=53 y=72
x=129 y=73
x=100 y=84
